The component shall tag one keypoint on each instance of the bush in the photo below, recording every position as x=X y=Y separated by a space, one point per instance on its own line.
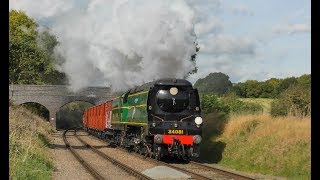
x=211 y=103
x=278 y=108
x=239 y=107
x=295 y=101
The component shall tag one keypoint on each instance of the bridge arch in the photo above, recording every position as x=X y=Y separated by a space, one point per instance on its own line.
x=70 y=114
x=30 y=105
x=53 y=97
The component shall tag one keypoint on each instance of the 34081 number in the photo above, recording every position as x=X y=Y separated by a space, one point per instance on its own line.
x=175 y=131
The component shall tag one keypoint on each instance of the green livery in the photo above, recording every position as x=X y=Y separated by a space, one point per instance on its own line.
x=131 y=112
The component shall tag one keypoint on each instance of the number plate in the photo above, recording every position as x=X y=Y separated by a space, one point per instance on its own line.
x=175 y=131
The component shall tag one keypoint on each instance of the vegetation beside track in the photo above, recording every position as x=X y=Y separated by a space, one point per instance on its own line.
x=28 y=143
x=278 y=146
x=264 y=102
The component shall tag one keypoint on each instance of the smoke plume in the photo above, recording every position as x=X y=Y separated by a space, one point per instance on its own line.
x=119 y=43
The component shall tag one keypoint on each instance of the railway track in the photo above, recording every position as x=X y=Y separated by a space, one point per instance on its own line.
x=91 y=170
x=220 y=172
x=86 y=165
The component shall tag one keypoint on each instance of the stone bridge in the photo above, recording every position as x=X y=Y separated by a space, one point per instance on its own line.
x=53 y=97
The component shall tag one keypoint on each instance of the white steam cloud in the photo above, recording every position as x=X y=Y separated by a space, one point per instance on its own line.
x=120 y=43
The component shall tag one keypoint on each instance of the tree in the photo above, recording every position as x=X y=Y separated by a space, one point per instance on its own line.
x=217 y=83
x=31 y=59
x=286 y=83
x=25 y=57
x=239 y=89
x=253 y=89
x=270 y=88
x=305 y=80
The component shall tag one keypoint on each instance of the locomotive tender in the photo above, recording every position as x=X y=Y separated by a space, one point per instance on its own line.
x=159 y=118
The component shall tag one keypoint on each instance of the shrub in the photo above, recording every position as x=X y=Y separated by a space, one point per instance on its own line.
x=239 y=107
x=211 y=103
x=278 y=108
x=295 y=101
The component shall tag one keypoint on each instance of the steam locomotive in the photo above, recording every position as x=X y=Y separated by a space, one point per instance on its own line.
x=157 y=119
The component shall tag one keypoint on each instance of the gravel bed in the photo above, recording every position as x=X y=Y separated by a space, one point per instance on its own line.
x=104 y=167
x=66 y=165
x=127 y=158
x=198 y=170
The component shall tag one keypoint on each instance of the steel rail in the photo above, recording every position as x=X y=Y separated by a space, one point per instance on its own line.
x=89 y=168
x=114 y=161
x=194 y=175
x=223 y=172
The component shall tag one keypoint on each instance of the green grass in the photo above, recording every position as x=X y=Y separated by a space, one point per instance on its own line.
x=28 y=143
x=261 y=144
x=264 y=102
x=273 y=146
x=34 y=166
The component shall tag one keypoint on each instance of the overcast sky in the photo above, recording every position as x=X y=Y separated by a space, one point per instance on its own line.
x=245 y=39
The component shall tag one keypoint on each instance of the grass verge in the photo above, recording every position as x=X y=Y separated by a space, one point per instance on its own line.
x=28 y=143
x=265 y=145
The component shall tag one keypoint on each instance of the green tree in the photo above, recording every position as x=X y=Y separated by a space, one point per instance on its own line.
x=217 y=83
x=286 y=83
x=31 y=59
x=270 y=88
x=25 y=57
x=253 y=89
x=239 y=89
x=305 y=80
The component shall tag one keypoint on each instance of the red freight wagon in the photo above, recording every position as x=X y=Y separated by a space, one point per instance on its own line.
x=98 y=117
